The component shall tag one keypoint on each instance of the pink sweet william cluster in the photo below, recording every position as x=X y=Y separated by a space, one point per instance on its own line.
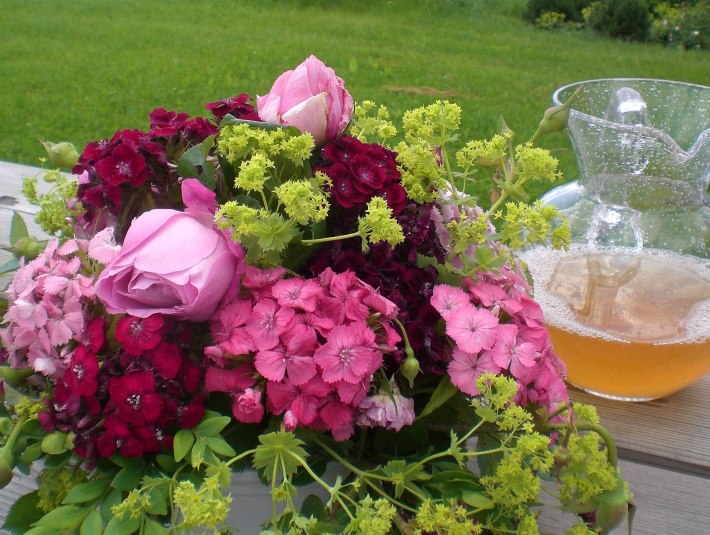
x=306 y=348
x=47 y=297
x=496 y=327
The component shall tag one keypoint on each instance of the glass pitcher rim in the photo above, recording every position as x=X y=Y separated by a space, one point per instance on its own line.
x=556 y=93
x=703 y=136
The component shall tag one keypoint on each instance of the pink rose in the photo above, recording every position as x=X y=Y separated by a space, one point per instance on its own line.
x=172 y=263
x=311 y=98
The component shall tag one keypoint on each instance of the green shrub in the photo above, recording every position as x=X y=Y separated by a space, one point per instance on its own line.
x=550 y=20
x=683 y=25
x=571 y=9
x=628 y=19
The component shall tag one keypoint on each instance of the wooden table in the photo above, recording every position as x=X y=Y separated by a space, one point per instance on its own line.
x=664 y=444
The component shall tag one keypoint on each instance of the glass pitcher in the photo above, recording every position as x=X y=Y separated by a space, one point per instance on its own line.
x=628 y=306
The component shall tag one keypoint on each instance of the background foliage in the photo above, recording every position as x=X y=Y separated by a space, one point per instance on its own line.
x=80 y=70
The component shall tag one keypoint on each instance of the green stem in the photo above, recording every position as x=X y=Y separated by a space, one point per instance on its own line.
x=330 y=238
x=240 y=456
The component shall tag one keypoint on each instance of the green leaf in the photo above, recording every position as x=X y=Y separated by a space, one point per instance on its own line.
x=444 y=391
x=122 y=526
x=277 y=450
x=478 y=500
x=210 y=427
x=166 y=462
x=23 y=514
x=158 y=497
x=182 y=443
x=114 y=498
x=153 y=528
x=193 y=164
x=11 y=265
x=198 y=453
x=86 y=492
x=313 y=506
x=18 y=228
x=41 y=530
x=92 y=524
x=129 y=477
x=220 y=447
x=67 y=517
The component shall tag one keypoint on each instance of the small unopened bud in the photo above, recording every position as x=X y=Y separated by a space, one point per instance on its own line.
x=409 y=369
x=7 y=463
x=555 y=118
x=612 y=507
x=15 y=377
x=6 y=426
x=61 y=154
x=54 y=443
x=26 y=247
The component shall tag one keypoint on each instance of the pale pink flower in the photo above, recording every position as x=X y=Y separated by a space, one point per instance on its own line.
x=465 y=369
x=490 y=295
x=228 y=329
x=302 y=401
x=447 y=299
x=510 y=353
x=473 y=329
x=391 y=411
x=260 y=281
x=349 y=353
x=103 y=247
x=338 y=419
x=346 y=298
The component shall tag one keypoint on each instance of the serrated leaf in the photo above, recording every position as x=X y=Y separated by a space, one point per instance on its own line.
x=192 y=164
x=114 y=498
x=220 y=447
x=211 y=427
x=85 y=492
x=22 y=514
x=92 y=524
x=122 y=526
x=65 y=517
x=444 y=391
x=153 y=528
x=128 y=477
x=18 y=228
x=313 y=506
x=182 y=443
x=278 y=449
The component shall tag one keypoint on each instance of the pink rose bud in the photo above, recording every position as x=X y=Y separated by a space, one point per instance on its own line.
x=311 y=98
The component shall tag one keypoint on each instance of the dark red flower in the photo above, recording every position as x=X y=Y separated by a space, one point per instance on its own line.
x=80 y=376
x=166 y=358
x=135 y=398
x=164 y=123
x=191 y=413
x=100 y=195
x=236 y=106
x=124 y=164
x=118 y=437
x=138 y=335
x=96 y=333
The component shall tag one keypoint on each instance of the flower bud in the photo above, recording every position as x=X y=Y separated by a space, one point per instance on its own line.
x=54 y=443
x=7 y=463
x=15 y=377
x=409 y=369
x=613 y=506
x=27 y=247
x=61 y=154
x=6 y=426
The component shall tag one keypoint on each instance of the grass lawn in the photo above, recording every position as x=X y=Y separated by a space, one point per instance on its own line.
x=82 y=69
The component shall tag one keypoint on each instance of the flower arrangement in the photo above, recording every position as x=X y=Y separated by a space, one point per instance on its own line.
x=280 y=287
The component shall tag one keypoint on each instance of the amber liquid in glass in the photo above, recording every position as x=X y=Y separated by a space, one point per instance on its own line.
x=628 y=325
